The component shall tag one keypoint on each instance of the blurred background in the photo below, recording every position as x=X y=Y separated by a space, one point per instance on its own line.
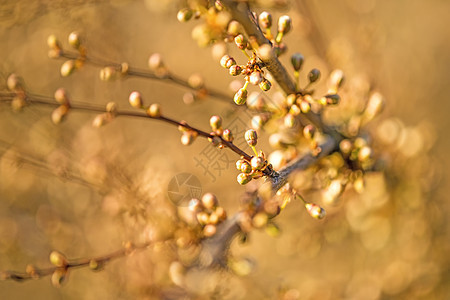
x=84 y=191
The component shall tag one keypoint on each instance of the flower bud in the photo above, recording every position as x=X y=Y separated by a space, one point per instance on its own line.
x=364 y=154
x=295 y=110
x=74 y=40
x=374 y=106
x=227 y=61
x=67 y=67
x=155 y=61
x=58 y=259
x=251 y=137
x=289 y=121
x=305 y=106
x=195 y=205
x=227 y=135
x=309 y=131
x=53 y=42
x=241 y=96
x=258 y=163
x=265 y=20
x=58 y=277
x=235 y=70
x=135 y=100
x=221 y=213
x=297 y=61
x=313 y=75
x=59 y=113
x=291 y=99
x=111 y=107
x=209 y=201
x=255 y=78
x=187 y=138
x=284 y=24
x=315 y=210
x=61 y=96
x=154 y=110
x=243 y=178
x=245 y=167
x=241 y=41
x=215 y=122
x=184 y=14
x=100 y=120
x=265 y=85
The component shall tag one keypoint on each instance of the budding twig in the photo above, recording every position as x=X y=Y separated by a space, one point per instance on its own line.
x=142 y=73
x=94 y=263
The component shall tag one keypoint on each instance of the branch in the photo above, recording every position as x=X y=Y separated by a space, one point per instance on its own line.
x=63 y=265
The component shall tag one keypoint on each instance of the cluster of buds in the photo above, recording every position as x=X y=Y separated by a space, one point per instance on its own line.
x=62 y=110
x=283 y=27
x=188 y=136
x=252 y=73
x=56 y=51
x=208 y=213
x=255 y=167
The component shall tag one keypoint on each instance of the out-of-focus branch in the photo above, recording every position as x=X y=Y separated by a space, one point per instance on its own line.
x=63 y=265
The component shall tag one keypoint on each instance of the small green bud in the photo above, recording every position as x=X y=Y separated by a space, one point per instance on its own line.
x=245 y=167
x=313 y=75
x=68 y=67
x=305 y=106
x=58 y=259
x=241 y=96
x=243 y=178
x=235 y=70
x=284 y=24
x=315 y=210
x=297 y=61
x=241 y=41
x=265 y=85
x=227 y=61
x=265 y=20
x=184 y=14
x=215 y=122
x=291 y=99
x=74 y=40
x=135 y=100
x=251 y=137
x=227 y=135
x=154 y=110
x=53 y=42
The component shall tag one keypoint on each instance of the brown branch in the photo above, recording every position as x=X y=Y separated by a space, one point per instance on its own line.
x=94 y=263
x=34 y=99
x=142 y=73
